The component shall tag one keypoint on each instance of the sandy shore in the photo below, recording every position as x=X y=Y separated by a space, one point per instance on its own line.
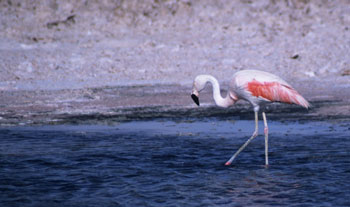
x=126 y=60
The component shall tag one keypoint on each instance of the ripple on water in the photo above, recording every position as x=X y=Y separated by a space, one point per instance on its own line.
x=175 y=164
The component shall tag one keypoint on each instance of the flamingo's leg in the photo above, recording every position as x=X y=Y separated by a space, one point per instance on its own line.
x=247 y=142
x=266 y=132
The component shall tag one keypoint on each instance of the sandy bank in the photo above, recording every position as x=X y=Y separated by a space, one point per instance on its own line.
x=62 y=59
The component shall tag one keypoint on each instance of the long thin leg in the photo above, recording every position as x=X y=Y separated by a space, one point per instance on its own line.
x=266 y=132
x=247 y=142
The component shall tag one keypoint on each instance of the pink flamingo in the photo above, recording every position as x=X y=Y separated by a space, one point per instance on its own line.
x=256 y=87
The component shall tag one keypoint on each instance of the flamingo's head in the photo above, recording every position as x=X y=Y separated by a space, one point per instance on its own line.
x=198 y=85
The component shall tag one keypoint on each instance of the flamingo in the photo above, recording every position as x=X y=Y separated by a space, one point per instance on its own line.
x=256 y=87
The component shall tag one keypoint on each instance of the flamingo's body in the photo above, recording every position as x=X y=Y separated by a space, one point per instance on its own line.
x=256 y=87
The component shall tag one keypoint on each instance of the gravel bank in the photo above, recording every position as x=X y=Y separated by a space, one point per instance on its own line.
x=59 y=59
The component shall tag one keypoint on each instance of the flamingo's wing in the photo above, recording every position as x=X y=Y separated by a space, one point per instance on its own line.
x=275 y=91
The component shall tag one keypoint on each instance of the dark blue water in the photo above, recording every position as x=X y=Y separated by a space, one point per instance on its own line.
x=175 y=164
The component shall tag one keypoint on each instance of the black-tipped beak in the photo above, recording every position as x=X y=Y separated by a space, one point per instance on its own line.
x=195 y=99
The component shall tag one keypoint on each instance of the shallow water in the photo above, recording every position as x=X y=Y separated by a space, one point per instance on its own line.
x=167 y=163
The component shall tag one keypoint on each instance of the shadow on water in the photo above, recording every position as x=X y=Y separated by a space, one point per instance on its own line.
x=175 y=163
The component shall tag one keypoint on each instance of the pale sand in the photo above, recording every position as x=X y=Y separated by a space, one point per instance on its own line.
x=58 y=60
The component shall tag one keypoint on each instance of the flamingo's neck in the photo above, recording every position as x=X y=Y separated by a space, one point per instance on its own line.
x=219 y=100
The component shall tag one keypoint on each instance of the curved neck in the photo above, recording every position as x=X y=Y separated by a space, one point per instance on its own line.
x=219 y=100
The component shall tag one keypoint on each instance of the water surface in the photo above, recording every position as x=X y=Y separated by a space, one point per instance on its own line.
x=167 y=163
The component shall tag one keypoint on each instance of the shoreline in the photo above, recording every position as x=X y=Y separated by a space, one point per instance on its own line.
x=64 y=59
x=107 y=105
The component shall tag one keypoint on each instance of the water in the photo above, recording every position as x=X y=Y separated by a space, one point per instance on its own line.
x=167 y=163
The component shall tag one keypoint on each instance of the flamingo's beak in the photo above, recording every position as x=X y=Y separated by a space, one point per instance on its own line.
x=195 y=98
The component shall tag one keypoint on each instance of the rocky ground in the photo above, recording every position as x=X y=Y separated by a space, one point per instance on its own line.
x=75 y=61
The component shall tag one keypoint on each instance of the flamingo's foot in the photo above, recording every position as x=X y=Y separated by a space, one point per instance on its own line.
x=228 y=163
